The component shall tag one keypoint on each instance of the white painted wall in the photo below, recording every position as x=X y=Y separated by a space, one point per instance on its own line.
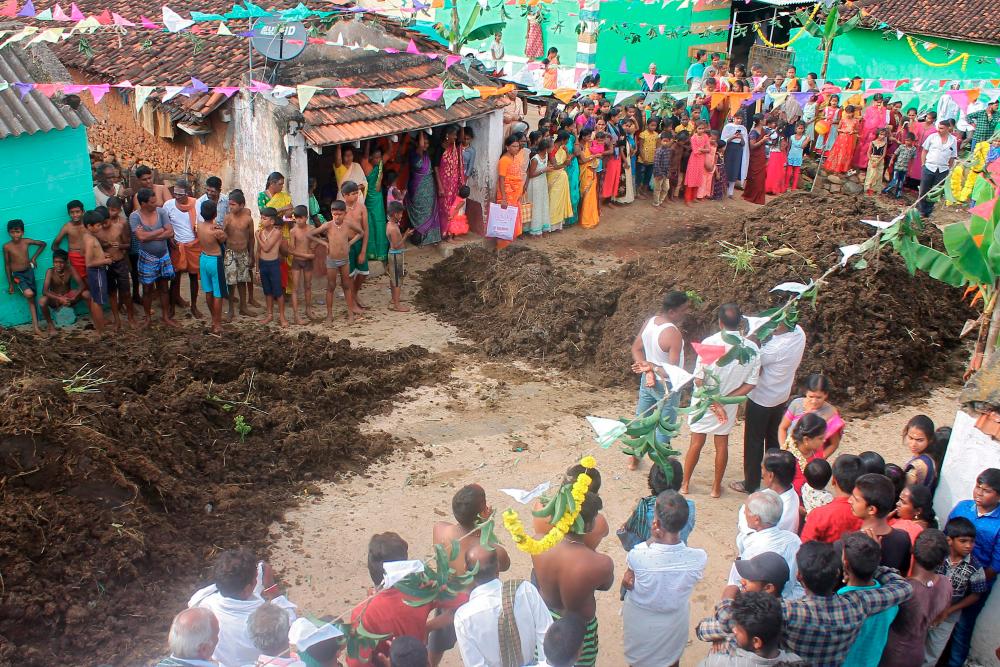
x=258 y=148
x=488 y=143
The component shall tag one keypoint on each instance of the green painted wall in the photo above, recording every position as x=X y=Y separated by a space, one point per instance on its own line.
x=43 y=171
x=866 y=54
x=669 y=54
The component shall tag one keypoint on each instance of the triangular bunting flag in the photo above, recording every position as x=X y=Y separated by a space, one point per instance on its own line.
x=226 y=90
x=9 y=9
x=650 y=80
x=564 y=95
x=282 y=92
x=346 y=92
x=75 y=14
x=407 y=90
x=623 y=66
x=147 y=24
x=709 y=354
x=104 y=18
x=198 y=86
x=118 y=19
x=141 y=94
x=451 y=60
x=373 y=94
x=44 y=15
x=171 y=92
x=74 y=88
x=621 y=96
x=451 y=95
x=58 y=14
x=98 y=91
x=223 y=29
x=28 y=11
x=412 y=48
x=469 y=93
x=23 y=88
x=47 y=89
x=305 y=94
x=433 y=94
x=173 y=21
x=259 y=86
x=389 y=94
x=124 y=84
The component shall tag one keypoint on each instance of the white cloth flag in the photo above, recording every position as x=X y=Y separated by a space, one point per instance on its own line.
x=397 y=570
x=525 y=497
x=607 y=430
x=795 y=288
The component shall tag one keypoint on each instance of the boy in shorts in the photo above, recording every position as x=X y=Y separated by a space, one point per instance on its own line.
x=338 y=235
x=238 y=226
x=210 y=236
x=97 y=270
x=302 y=249
x=395 y=265
x=115 y=238
x=357 y=216
x=58 y=290
x=269 y=265
x=73 y=232
x=20 y=267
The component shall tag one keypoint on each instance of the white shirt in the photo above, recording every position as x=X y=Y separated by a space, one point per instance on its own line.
x=963 y=123
x=180 y=221
x=479 y=635
x=235 y=648
x=665 y=575
x=782 y=542
x=947 y=108
x=779 y=359
x=221 y=208
x=731 y=377
x=789 y=517
x=939 y=153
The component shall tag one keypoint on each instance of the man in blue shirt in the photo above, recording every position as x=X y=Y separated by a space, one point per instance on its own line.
x=984 y=512
x=861 y=558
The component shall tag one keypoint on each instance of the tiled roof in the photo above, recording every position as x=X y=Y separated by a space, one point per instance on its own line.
x=34 y=112
x=332 y=120
x=964 y=20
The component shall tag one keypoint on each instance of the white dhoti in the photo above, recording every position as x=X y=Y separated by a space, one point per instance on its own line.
x=654 y=639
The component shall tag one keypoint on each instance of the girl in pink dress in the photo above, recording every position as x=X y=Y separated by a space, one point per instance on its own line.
x=694 y=177
x=817 y=390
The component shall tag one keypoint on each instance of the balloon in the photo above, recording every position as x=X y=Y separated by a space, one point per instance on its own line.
x=822 y=127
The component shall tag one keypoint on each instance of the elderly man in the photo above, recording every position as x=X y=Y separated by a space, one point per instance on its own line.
x=213 y=193
x=763 y=512
x=937 y=155
x=107 y=184
x=194 y=634
x=186 y=255
x=268 y=628
x=234 y=596
x=508 y=618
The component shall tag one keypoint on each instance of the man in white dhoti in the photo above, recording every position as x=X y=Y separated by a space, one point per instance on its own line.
x=731 y=380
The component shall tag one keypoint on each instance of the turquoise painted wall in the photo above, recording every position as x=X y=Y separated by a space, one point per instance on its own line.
x=669 y=54
x=866 y=54
x=42 y=171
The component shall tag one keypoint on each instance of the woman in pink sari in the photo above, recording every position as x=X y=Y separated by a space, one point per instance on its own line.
x=450 y=175
x=922 y=131
x=873 y=119
x=817 y=390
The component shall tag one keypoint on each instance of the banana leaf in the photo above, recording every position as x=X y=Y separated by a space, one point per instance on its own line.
x=830 y=27
x=938 y=265
x=483 y=32
x=969 y=258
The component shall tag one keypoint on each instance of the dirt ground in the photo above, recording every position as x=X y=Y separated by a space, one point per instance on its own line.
x=116 y=502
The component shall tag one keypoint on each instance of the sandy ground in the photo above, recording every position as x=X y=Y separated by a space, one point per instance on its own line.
x=506 y=424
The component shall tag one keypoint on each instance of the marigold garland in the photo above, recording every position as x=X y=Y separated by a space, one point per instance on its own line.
x=964 y=57
x=530 y=545
x=802 y=31
x=960 y=190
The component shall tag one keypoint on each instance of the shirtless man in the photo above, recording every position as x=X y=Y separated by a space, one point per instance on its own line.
x=73 y=231
x=115 y=238
x=357 y=215
x=269 y=265
x=302 y=249
x=144 y=179
x=238 y=226
x=469 y=507
x=57 y=290
x=209 y=237
x=97 y=270
x=339 y=235
x=569 y=573
x=19 y=264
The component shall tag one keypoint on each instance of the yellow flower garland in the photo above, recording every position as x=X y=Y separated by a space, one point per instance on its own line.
x=960 y=190
x=767 y=42
x=530 y=545
x=964 y=57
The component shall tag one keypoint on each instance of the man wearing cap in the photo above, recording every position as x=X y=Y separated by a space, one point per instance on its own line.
x=186 y=255
x=763 y=511
x=764 y=573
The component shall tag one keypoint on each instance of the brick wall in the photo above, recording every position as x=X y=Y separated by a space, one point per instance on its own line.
x=118 y=129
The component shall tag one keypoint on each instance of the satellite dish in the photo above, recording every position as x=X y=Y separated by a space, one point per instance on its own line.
x=272 y=35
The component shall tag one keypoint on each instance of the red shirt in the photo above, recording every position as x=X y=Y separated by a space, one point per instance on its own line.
x=829 y=522
x=388 y=613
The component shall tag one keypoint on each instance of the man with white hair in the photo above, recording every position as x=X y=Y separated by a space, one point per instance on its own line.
x=763 y=512
x=268 y=628
x=193 y=636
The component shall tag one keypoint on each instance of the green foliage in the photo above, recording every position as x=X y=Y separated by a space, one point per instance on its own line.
x=738 y=351
x=487 y=533
x=436 y=583
x=640 y=438
x=739 y=257
x=241 y=427
x=470 y=32
x=562 y=501
x=358 y=639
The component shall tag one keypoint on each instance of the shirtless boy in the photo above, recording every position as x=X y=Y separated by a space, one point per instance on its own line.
x=58 y=290
x=302 y=249
x=115 y=238
x=357 y=215
x=238 y=226
x=144 y=179
x=73 y=231
x=20 y=267
x=97 y=270
x=568 y=575
x=469 y=507
x=209 y=237
x=395 y=265
x=339 y=235
x=268 y=265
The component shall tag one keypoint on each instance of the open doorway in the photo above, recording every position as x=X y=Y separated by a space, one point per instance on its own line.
x=776 y=19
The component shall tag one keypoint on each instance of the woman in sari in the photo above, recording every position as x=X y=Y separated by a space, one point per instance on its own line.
x=573 y=151
x=589 y=213
x=627 y=153
x=753 y=189
x=613 y=161
x=922 y=131
x=839 y=159
x=537 y=190
x=560 y=205
x=895 y=124
x=736 y=159
x=374 y=166
x=274 y=196
x=421 y=195
x=874 y=118
x=450 y=175
x=346 y=169
x=510 y=183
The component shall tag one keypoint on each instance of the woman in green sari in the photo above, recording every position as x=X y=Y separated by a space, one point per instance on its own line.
x=378 y=243
x=572 y=169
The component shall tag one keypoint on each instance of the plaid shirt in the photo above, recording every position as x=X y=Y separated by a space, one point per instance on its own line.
x=661 y=161
x=903 y=157
x=985 y=126
x=967 y=576
x=821 y=629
